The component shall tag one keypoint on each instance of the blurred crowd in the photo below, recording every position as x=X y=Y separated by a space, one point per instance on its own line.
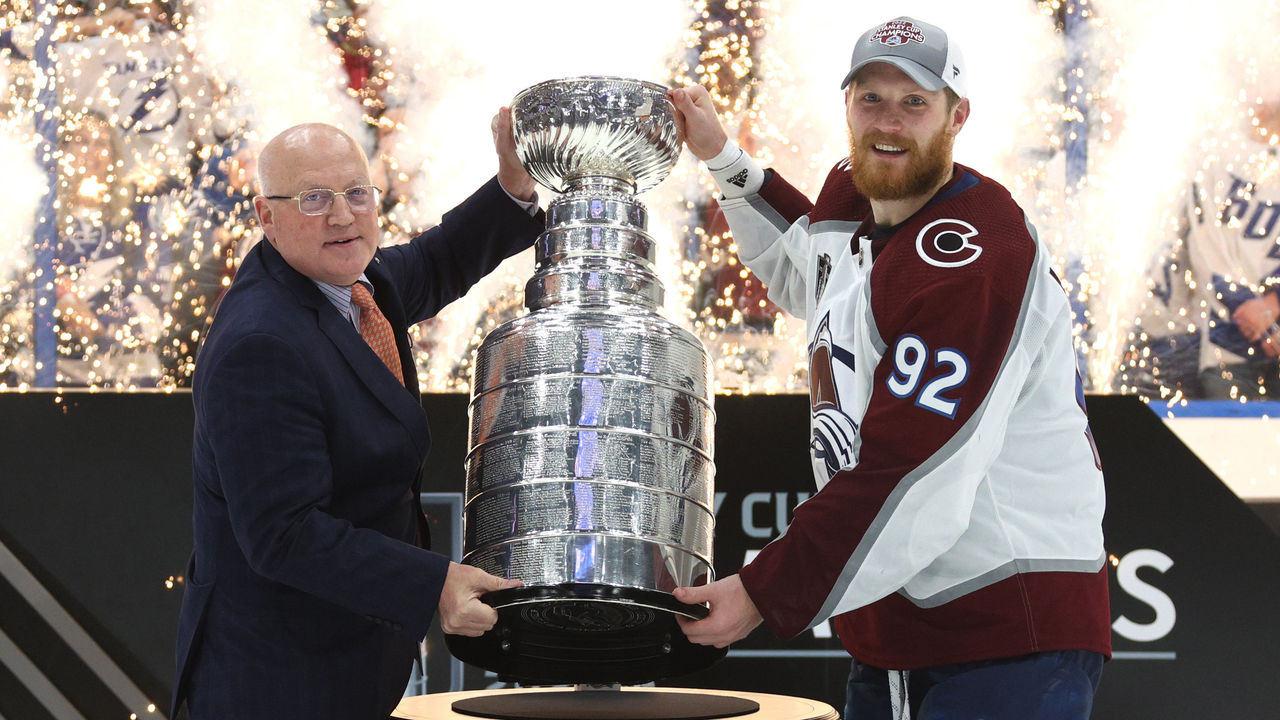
x=154 y=179
x=1210 y=326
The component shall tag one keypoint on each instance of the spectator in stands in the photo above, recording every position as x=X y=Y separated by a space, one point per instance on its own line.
x=72 y=24
x=1222 y=275
x=209 y=231
x=1163 y=358
x=123 y=69
x=107 y=310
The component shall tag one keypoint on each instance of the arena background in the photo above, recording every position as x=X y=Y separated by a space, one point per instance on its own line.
x=128 y=131
x=95 y=528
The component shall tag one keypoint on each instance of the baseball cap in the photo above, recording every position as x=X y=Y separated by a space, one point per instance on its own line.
x=922 y=51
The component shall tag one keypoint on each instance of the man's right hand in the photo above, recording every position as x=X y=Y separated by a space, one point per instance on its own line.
x=461 y=611
x=697 y=121
x=511 y=172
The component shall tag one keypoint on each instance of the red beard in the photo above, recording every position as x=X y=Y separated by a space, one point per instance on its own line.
x=924 y=170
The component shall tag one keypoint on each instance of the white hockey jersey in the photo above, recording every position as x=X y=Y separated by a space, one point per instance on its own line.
x=1233 y=246
x=960 y=503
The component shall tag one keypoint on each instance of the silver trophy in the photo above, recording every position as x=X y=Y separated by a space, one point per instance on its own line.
x=590 y=473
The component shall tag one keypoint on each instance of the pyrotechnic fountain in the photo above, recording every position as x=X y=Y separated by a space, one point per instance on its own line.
x=770 y=65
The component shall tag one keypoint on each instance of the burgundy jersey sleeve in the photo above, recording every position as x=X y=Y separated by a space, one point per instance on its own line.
x=838 y=199
x=788 y=203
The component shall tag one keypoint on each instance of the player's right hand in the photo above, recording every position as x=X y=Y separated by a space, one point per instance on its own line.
x=697 y=121
x=461 y=610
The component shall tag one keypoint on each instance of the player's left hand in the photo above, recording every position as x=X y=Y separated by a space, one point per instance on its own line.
x=511 y=173
x=1255 y=317
x=733 y=614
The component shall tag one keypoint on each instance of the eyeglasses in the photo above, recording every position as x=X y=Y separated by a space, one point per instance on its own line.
x=318 y=201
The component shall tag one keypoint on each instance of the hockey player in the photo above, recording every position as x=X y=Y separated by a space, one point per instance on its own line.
x=956 y=535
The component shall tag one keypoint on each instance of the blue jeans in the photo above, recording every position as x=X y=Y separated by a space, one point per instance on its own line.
x=1043 y=686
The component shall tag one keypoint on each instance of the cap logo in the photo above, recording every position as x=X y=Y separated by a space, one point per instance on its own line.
x=897 y=32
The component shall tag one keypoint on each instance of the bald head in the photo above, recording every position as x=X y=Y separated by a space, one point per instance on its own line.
x=283 y=155
x=334 y=245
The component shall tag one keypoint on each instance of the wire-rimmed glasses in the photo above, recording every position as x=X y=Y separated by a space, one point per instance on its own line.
x=318 y=201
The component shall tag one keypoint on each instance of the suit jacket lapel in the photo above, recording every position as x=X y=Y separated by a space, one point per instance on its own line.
x=403 y=402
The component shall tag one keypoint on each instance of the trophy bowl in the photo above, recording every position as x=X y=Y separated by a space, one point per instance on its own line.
x=570 y=130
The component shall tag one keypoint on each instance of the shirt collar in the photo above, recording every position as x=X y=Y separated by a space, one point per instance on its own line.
x=340 y=295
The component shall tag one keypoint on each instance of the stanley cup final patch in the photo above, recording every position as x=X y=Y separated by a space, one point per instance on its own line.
x=897 y=32
x=824 y=272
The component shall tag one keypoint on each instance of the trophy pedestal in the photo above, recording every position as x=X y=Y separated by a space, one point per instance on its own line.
x=589 y=703
x=644 y=703
x=585 y=633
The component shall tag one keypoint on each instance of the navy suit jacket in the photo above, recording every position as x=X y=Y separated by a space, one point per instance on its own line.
x=309 y=587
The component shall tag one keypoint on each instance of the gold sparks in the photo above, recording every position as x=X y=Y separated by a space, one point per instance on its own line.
x=154 y=125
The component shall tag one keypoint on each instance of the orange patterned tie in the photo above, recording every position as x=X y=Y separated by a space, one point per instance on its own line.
x=376 y=331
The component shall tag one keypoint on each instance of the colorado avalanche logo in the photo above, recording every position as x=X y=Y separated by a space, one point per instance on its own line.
x=897 y=32
x=833 y=431
x=946 y=243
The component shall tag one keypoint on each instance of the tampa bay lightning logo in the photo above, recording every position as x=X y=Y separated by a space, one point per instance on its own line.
x=947 y=243
x=84 y=239
x=834 y=432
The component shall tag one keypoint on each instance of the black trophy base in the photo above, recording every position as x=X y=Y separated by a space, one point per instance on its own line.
x=606 y=705
x=581 y=633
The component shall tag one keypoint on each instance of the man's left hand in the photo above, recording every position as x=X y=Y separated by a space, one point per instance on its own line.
x=1255 y=317
x=511 y=173
x=733 y=614
x=462 y=612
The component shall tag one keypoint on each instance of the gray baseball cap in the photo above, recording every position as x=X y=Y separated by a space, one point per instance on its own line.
x=922 y=51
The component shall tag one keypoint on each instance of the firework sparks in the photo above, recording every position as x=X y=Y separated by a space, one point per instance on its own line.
x=165 y=213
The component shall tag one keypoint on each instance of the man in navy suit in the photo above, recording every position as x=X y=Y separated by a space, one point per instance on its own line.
x=309 y=587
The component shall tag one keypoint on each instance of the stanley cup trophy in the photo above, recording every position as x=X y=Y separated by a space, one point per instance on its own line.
x=589 y=473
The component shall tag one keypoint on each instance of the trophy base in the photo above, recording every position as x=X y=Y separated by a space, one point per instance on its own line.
x=611 y=704
x=585 y=633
